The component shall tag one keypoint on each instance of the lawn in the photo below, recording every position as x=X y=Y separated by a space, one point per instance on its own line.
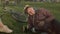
x=16 y=26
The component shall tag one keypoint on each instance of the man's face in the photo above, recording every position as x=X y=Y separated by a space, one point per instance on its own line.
x=30 y=11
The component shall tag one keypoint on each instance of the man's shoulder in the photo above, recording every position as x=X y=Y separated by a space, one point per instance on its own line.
x=42 y=9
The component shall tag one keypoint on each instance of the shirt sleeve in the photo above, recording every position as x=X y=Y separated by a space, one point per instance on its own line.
x=49 y=16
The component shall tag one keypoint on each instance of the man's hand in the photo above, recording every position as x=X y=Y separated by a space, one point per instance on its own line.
x=41 y=23
x=25 y=28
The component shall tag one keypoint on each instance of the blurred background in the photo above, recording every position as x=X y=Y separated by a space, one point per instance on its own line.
x=18 y=5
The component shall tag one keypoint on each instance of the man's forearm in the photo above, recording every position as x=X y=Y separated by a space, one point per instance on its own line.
x=49 y=19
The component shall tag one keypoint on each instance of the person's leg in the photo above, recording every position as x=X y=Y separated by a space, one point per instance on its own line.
x=4 y=28
x=55 y=26
x=48 y=28
x=1 y=25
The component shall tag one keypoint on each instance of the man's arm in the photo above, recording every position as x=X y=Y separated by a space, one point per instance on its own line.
x=49 y=16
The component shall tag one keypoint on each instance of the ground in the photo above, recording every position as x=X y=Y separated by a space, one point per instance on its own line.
x=17 y=26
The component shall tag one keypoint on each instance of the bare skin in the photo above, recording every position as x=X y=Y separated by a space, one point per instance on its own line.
x=4 y=28
x=30 y=11
x=1 y=24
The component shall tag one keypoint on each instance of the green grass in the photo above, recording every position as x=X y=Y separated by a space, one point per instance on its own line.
x=17 y=26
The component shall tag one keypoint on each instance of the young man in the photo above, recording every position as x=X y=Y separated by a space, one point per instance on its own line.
x=39 y=20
